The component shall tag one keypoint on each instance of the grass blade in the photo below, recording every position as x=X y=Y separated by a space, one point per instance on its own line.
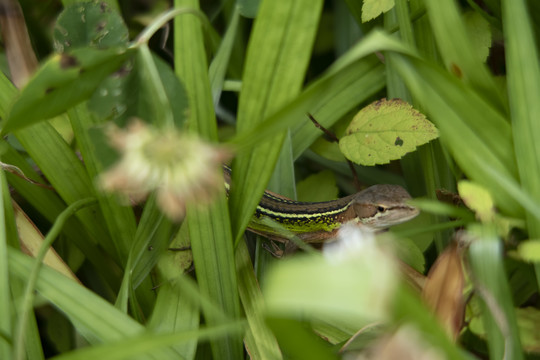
x=278 y=55
x=498 y=312
x=260 y=342
x=458 y=52
x=209 y=229
x=523 y=92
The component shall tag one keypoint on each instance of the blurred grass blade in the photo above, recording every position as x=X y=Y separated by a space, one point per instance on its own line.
x=219 y=65
x=149 y=343
x=78 y=304
x=63 y=81
x=458 y=52
x=298 y=341
x=119 y=219
x=278 y=54
x=160 y=107
x=498 y=315
x=209 y=228
x=260 y=342
x=409 y=308
x=523 y=72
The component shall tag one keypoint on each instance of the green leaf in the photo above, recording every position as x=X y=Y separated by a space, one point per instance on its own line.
x=62 y=82
x=477 y=198
x=131 y=93
x=318 y=187
x=338 y=286
x=529 y=250
x=529 y=328
x=373 y=8
x=385 y=130
x=92 y=24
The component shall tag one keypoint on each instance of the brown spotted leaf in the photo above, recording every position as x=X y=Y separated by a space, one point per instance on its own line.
x=385 y=130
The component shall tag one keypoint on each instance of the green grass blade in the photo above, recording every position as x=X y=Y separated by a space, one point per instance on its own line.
x=260 y=342
x=66 y=173
x=209 y=229
x=174 y=310
x=28 y=297
x=95 y=319
x=458 y=52
x=277 y=58
x=459 y=126
x=523 y=91
x=218 y=67
x=145 y=344
x=50 y=206
x=119 y=219
x=327 y=98
x=5 y=299
x=498 y=311
x=335 y=95
x=408 y=307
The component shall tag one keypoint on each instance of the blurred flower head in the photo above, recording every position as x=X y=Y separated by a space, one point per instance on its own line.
x=180 y=167
x=352 y=241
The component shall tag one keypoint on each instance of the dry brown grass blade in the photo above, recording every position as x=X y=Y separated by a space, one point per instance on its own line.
x=20 y=55
x=31 y=239
x=443 y=290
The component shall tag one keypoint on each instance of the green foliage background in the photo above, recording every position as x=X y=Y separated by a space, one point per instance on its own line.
x=259 y=67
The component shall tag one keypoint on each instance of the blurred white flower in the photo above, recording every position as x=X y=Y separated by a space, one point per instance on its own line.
x=179 y=166
x=350 y=243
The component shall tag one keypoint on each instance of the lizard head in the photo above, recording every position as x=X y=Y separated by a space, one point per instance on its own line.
x=382 y=206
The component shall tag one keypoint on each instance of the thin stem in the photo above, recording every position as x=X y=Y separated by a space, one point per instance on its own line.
x=163 y=19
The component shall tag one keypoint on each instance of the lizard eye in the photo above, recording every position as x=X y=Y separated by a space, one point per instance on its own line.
x=381 y=209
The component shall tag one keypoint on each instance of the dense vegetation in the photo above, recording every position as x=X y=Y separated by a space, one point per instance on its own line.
x=220 y=81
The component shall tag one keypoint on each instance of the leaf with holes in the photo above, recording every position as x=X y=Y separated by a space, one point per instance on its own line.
x=385 y=130
x=93 y=24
